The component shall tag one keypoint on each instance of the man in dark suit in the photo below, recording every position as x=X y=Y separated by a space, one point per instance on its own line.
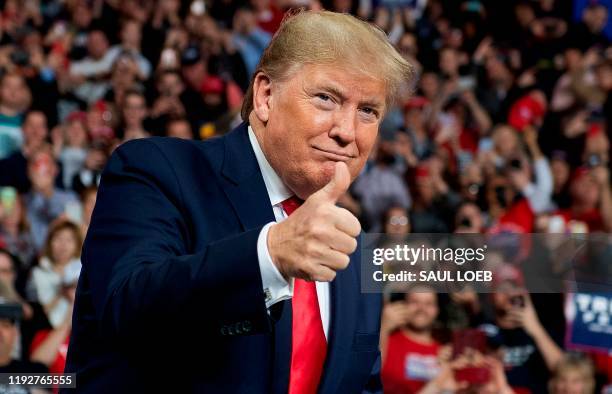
x=225 y=266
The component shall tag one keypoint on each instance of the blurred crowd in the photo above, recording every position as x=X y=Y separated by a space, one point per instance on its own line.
x=507 y=130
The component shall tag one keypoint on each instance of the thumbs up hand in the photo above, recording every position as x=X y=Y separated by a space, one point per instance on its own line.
x=317 y=239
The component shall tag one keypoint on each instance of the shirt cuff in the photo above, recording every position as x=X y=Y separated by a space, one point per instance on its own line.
x=276 y=288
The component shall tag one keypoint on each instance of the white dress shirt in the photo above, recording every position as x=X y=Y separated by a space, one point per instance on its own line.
x=275 y=286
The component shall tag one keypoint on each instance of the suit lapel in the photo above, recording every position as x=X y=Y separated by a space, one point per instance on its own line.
x=243 y=183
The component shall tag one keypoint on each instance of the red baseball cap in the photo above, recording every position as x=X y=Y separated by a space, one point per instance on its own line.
x=212 y=85
x=525 y=112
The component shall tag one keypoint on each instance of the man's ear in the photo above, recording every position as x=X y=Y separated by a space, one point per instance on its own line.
x=262 y=94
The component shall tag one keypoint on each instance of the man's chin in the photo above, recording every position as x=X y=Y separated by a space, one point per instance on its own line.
x=312 y=179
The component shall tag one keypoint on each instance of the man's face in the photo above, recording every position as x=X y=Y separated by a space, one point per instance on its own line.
x=35 y=128
x=321 y=115
x=97 y=44
x=170 y=85
x=42 y=171
x=135 y=109
x=597 y=19
x=8 y=335
x=7 y=274
x=448 y=61
x=194 y=74
x=585 y=190
x=131 y=35
x=423 y=308
x=13 y=92
x=604 y=77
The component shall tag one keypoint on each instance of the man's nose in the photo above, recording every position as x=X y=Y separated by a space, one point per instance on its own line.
x=343 y=130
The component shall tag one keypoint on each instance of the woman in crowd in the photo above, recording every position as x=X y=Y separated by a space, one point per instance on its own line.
x=59 y=263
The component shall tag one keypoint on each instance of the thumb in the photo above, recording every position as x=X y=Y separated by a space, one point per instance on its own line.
x=337 y=186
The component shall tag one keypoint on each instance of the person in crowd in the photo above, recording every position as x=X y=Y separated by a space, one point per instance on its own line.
x=168 y=104
x=15 y=98
x=249 y=38
x=33 y=317
x=396 y=221
x=14 y=168
x=45 y=202
x=447 y=379
x=381 y=186
x=529 y=353
x=10 y=315
x=50 y=346
x=15 y=230
x=469 y=219
x=91 y=171
x=589 y=32
x=408 y=347
x=130 y=48
x=433 y=198
x=70 y=146
x=89 y=76
x=574 y=374
x=135 y=112
x=421 y=145
x=51 y=279
x=591 y=203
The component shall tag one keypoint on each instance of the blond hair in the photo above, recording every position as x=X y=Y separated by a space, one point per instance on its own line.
x=575 y=362
x=324 y=37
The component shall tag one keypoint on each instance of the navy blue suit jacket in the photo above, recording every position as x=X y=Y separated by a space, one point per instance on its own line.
x=170 y=296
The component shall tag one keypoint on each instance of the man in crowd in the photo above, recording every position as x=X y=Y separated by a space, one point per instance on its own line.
x=410 y=353
x=14 y=169
x=45 y=201
x=14 y=100
x=528 y=350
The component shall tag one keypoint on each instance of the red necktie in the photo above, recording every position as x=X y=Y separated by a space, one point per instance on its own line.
x=309 y=346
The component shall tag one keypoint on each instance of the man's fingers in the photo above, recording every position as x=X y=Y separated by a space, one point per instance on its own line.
x=335 y=260
x=342 y=242
x=337 y=186
x=346 y=222
x=322 y=273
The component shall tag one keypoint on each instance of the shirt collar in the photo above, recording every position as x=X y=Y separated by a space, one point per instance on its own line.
x=277 y=190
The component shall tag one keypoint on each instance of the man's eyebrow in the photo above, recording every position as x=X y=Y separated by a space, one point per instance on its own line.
x=369 y=102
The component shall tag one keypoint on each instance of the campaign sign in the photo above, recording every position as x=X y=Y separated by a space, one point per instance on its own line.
x=589 y=317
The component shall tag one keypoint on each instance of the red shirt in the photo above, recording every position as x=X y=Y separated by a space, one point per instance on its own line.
x=408 y=364
x=592 y=218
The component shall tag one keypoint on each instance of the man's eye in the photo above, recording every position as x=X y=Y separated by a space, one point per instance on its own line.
x=323 y=97
x=369 y=111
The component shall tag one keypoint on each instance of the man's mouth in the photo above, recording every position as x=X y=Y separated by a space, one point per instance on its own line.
x=334 y=155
